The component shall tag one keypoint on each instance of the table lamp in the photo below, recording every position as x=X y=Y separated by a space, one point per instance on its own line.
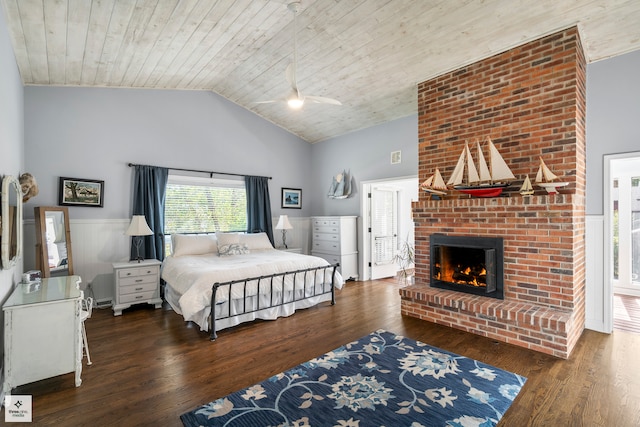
x=137 y=229
x=284 y=225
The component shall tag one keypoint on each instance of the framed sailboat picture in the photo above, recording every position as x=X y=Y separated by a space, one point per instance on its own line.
x=292 y=198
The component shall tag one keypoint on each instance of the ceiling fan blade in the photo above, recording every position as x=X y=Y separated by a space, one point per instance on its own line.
x=322 y=100
x=268 y=102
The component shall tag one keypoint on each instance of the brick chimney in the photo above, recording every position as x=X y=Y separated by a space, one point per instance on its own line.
x=531 y=102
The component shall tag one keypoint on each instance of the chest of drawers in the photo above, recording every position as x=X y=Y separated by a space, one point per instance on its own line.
x=42 y=332
x=136 y=283
x=334 y=239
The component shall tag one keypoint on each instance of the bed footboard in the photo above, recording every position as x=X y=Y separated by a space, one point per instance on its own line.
x=300 y=285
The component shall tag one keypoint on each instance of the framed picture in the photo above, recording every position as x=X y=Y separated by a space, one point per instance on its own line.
x=292 y=198
x=80 y=192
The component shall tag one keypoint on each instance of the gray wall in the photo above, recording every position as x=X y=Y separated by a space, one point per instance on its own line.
x=613 y=111
x=94 y=133
x=367 y=154
x=613 y=118
x=11 y=141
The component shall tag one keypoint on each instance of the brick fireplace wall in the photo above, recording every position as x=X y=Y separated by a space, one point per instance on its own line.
x=531 y=102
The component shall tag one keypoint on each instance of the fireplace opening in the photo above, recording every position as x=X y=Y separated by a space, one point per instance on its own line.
x=467 y=264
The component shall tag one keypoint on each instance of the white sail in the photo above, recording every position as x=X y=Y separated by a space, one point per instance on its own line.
x=458 y=172
x=544 y=173
x=347 y=183
x=427 y=182
x=434 y=184
x=499 y=169
x=438 y=182
x=485 y=175
x=527 y=188
x=472 y=172
x=332 y=188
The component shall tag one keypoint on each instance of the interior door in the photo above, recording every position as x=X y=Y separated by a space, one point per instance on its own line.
x=625 y=213
x=384 y=231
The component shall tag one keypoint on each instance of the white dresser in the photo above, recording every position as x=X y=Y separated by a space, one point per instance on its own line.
x=42 y=332
x=136 y=283
x=334 y=239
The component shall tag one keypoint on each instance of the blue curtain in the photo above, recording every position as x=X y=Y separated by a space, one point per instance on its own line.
x=258 y=205
x=149 y=189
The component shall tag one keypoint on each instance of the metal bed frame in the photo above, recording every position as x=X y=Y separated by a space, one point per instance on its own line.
x=298 y=277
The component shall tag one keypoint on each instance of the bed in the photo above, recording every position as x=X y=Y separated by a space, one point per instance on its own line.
x=244 y=278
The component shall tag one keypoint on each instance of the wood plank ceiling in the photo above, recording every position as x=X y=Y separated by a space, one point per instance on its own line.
x=369 y=54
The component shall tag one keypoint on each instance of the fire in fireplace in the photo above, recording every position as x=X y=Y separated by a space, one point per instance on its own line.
x=467 y=264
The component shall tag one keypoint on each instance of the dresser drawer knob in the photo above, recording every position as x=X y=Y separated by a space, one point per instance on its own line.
x=139 y=296
x=139 y=280
x=139 y=289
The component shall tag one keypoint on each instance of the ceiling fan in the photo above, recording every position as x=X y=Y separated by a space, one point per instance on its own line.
x=296 y=99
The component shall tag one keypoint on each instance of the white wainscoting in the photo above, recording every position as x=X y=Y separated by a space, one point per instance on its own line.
x=598 y=297
x=298 y=237
x=96 y=244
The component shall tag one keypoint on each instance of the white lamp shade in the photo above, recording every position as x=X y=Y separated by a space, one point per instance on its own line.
x=283 y=223
x=138 y=227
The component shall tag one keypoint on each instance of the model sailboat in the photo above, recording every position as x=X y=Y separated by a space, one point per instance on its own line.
x=434 y=184
x=340 y=186
x=527 y=188
x=484 y=181
x=547 y=179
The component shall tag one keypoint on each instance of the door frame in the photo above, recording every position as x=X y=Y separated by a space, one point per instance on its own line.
x=389 y=269
x=609 y=159
x=363 y=236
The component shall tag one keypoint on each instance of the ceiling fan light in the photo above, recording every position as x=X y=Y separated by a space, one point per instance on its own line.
x=295 y=103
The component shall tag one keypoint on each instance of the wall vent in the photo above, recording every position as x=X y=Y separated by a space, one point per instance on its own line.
x=396 y=157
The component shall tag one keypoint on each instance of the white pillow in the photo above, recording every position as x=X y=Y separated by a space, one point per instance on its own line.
x=256 y=241
x=227 y=238
x=184 y=244
x=229 y=244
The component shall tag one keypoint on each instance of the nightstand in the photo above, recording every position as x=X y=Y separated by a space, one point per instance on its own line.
x=136 y=283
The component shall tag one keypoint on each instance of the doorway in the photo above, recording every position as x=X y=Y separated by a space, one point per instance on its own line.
x=622 y=237
x=386 y=224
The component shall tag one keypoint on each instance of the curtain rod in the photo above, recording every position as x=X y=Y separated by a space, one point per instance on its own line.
x=211 y=173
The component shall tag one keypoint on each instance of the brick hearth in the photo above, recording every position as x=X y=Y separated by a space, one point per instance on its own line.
x=531 y=102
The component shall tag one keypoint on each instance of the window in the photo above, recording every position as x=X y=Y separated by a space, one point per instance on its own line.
x=204 y=205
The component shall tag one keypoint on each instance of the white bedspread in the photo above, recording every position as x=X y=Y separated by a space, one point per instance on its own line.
x=190 y=278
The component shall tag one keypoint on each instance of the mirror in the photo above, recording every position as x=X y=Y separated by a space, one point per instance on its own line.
x=53 y=241
x=11 y=221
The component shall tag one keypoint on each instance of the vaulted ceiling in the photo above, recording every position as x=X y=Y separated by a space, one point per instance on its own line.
x=369 y=54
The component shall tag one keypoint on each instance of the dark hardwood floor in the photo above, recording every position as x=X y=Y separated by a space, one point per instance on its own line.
x=149 y=366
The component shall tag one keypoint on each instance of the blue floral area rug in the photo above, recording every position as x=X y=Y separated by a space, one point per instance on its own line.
x=382 y=379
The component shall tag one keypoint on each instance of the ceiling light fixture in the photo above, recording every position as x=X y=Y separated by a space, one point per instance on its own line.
x=296 y=99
